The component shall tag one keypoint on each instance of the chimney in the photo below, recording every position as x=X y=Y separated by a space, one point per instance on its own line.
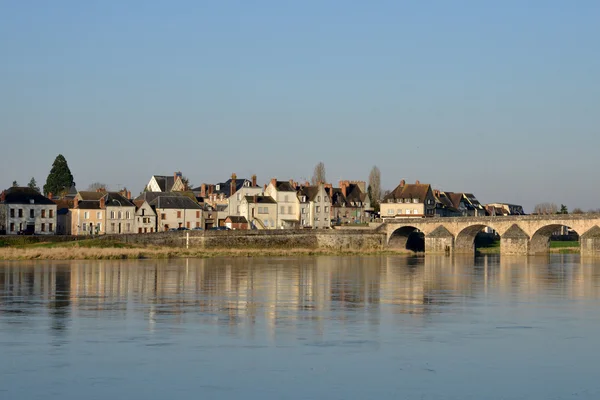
x=101 y=190
x=203 y=190
x=129 y=195
x=402 y=183
x=177 y=174
x=103 y=202
x=233 y=184
x=417 y=182
x=274 y=182
x=343 y=187
x=76 y=202
x=253 y=180
x=3 y=196
x=265 y=188
x=49 y=196
x=211 y=189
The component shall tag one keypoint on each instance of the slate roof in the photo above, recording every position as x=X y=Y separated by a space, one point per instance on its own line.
x=115 y=199
x=309 y=191
x=260 y=199
x=409 y=191
x=83 y=195
x=24 y=195
x=446 y=202
x=237 y=219
x=150 y=196
x=355 y=194
x=89 y=205
x=284 y=186
x=225 y=187
x=165 y=183
x=180 y=202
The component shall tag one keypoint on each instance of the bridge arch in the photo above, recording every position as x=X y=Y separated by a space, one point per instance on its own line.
x=407 y=238
x=540 y=240
x=465 y=240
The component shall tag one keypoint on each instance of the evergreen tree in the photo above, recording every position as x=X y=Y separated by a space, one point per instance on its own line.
x=60 y=178
x=15 y=184
x=33 y=185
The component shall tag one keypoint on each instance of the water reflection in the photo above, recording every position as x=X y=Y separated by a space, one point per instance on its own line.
x=283 y=291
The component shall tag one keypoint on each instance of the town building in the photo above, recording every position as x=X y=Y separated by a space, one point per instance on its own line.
x=284 y=194
x=235 y=222
x=176 y=212
x=25 y=211
x=260 y=211
x=165 y=183
x=503 y=209
x=145 y=217
x=409 y=201
x=315 y=206
x=350 y=203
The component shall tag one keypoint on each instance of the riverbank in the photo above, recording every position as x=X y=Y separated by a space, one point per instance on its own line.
x=114 y=250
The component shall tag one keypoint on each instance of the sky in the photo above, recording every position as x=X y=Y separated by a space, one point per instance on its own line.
x=501 y=99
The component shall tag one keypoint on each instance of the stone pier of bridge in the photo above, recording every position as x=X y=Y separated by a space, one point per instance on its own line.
x=519 y=235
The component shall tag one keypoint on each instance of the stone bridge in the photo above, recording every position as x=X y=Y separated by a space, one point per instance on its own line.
x=519 y=234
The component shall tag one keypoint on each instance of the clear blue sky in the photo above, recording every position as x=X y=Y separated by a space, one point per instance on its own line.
x=501 y=98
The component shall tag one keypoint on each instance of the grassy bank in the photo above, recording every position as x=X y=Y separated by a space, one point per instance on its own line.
x=94 y=249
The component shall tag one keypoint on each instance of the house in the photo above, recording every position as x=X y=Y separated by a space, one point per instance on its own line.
x=164 y=183
x=145 y=217
x=236 y=222
x=444 y=207
x=25 y=210
x=502 y=209
x=284 y=194
x=102 y=212
x=175 y=212
x=63 y=216
x=260 y=211
x=238 y=189
x=350 y=203
x=315 y=206
x=409 y=200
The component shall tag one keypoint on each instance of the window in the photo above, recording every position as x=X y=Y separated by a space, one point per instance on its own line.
x=12 y=226
x=197 y=224
x=12 y=212
x=128 y=215
x=98 y=214
x=263 y=210
x=163 y=216
x=20 y=213
x=326 y=219
x=98 y=227
x=415 y=212
x=112 y=215
x=85 y=227
x=50 y=227
x=316 y=219
x=319 y=199
x=120 y=214
x=289 y=209
x=178 y=214
x=415 y=200
x=318 y=209
x=198 y=212
x=391 y=211
x=304 y=211
x=218 y=187
x=326 y=209
x=408 y=211
x=326 y=198
x=282 y=210
x=43 y=228
x=128 y=227
x=286 y=198
x=238 y=209
x=51 y=212
x=187 y=225
x=143 y=212
x=239 y=196
x=43 y=213
x=86 y=215
x=31 y=213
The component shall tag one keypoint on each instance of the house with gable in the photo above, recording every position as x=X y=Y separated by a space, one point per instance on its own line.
x=409 y=201
x=314 y=206
x=350 y=203
x=165 y=183
x=102 y=212
x=228 y=193
x=260 y=211
x=284 y=193
x=172 y=210
x=145 y=217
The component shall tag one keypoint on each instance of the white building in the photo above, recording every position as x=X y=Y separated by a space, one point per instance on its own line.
x=314 y=207
x=24 y=210
x=284 y=193
x=175 y=212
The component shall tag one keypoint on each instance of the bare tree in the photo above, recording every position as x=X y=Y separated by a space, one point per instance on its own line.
x=319 y=174
x=577 y=210
x=375 y=185
x=95 y=186
x=545 y=208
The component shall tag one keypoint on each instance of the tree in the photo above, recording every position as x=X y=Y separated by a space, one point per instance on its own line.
x=186 y=183
x=319 y=174
x=95 y=186
x=15 y=184
x=33 y=185
x=545 y=208
x=60 y=178
x=563 y=209
x=577 y=210
x=375 y=186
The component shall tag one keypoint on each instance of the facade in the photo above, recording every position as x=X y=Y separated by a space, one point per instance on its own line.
x=315 y=207
x=501 y=209
x=238 y=189
x=444 y=207
x=145 y=217
x=176 y=212
x=409 y=201
x=63 y=216
x=101 y=212
x=350 y=203
x=25 y=211
x=260 y=212
x=284 y=194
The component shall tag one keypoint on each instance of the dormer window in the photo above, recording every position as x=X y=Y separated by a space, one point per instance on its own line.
x=247 y=184
x=415 y=200
x=218 y=187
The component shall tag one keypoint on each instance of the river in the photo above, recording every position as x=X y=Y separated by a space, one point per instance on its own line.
x=378 y=327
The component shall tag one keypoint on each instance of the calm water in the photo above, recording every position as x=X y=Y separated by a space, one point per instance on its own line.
x=301 y=328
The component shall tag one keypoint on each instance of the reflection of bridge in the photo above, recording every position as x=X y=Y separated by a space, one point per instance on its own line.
x=522 y=234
